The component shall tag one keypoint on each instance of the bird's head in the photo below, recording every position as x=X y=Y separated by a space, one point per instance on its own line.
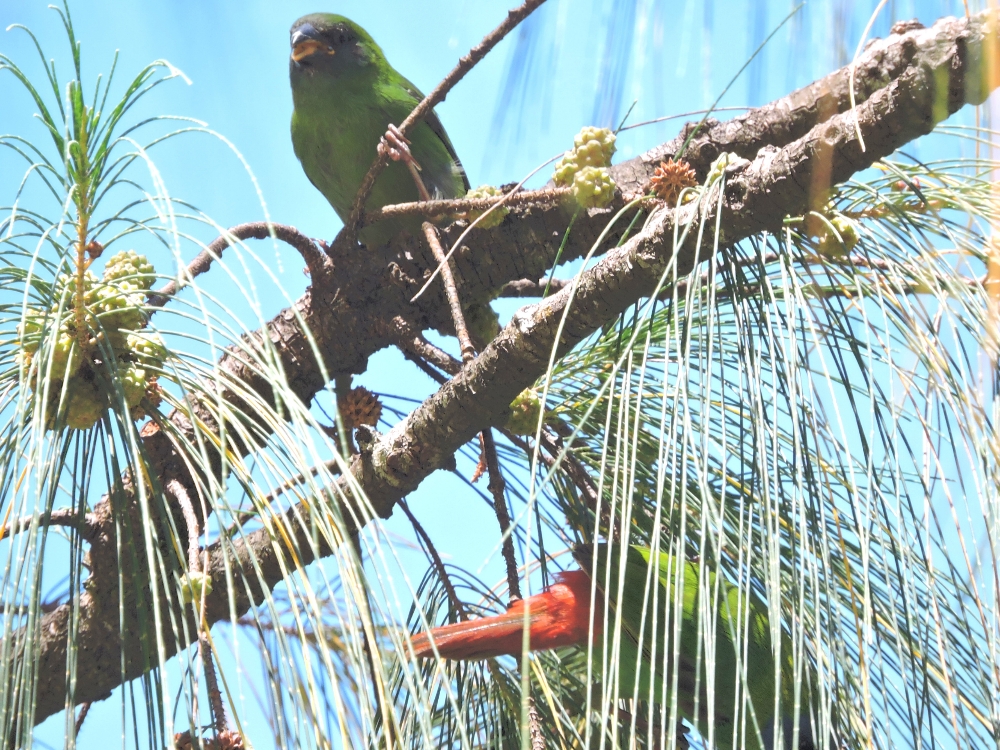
x=324 y=43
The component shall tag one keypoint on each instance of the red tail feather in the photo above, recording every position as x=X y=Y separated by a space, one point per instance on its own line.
x=559 y=616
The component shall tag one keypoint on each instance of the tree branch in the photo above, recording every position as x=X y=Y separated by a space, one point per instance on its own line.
x=85 y=524
x=906 y=84
x=757 y=199
x=528 y=288
x=462 y=205
x=257 y=230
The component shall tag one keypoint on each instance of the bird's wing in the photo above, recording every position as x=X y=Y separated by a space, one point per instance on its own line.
x=438 y=129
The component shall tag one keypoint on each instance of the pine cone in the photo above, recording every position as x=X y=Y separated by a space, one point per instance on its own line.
x=360 y=406
x=227 y=739
x=670 y=178
x=230 y=740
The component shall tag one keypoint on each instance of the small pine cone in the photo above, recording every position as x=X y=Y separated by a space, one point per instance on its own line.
x=94 y=249
x=133 y=380
x=670 y=178
x=66 y=283
x=230 y=740
x=154 y=394
x=360 y=406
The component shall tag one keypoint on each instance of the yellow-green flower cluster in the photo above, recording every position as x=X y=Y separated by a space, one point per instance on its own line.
x=592 y=147
x=839 y=238
x=585 y=168
x=495 y=216
x=55 y=351
x=194 y=585
x=593 y=187
x=723 y=161
x=525 y=411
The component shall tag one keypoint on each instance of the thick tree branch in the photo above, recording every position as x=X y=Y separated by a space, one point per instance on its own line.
x=774 y=185
x=905 y=85
x=529 y=288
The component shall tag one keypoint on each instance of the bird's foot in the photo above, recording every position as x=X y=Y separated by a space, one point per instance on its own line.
x=395 y=145
x=397 y=148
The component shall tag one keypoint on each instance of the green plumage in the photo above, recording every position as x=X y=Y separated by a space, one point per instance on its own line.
x=730 y=623
x=346 y=95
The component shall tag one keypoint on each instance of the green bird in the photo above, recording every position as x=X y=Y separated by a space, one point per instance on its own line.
x=348 y=100
x=747 y=687
x=748 y=684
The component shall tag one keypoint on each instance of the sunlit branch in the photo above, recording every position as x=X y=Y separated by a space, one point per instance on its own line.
x=194 y=554
x=458 y=206
x=85 y=524
x=256 y=230
x=419 y=350
x=897 y=104
x=528 y=288
x=425 y=538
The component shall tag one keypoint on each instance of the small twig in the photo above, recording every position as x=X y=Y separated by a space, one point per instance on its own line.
x=497 y=488
x=458 y=318
x=574 y=468
x=449 y=587
x=84 y=710
x=496 y=484
x=418 y=349
x=255 y=230
x=418 y=181
x=22 y=609
x=481 y=467
x=332 y=466
x=180 y=493
x=425 y=366
x=349 y=234
x=529 y=288
x=462 y=205
x=86 y=526
x=212 y=684
x=535 y=726
x=381 y=700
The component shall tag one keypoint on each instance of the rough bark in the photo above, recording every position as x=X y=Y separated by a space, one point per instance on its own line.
x=904 y=85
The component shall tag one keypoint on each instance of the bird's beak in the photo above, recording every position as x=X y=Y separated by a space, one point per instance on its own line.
x=305 y=43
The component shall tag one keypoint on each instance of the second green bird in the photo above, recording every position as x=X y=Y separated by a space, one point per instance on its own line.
x=346 y=96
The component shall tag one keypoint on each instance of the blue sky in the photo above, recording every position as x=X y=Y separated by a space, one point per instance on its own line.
x=234 y=53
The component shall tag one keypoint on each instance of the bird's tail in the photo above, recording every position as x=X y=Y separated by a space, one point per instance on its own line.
x=477 y=639
x=559 y=616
